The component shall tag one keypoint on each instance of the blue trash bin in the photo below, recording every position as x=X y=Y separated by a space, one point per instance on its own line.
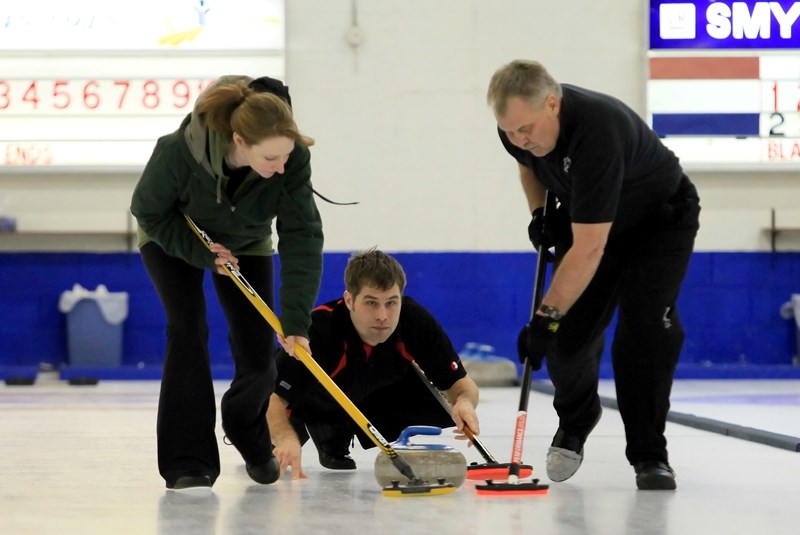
x=94 y=325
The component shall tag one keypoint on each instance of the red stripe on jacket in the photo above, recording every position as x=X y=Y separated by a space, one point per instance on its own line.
x=401 y=347
x=342 y=362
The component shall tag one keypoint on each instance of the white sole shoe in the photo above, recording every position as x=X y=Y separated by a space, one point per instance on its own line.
x=562 y=463
x=194 y=485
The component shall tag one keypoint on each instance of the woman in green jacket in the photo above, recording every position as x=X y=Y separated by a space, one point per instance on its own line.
x=234 y=165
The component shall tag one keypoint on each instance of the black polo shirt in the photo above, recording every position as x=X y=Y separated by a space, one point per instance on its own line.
x=607 y=165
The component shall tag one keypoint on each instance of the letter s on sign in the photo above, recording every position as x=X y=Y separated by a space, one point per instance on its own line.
x=718 y=16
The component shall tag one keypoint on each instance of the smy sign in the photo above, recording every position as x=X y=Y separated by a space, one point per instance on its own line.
x=700 y=24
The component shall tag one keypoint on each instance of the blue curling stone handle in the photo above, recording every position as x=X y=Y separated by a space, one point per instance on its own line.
x=404 y=439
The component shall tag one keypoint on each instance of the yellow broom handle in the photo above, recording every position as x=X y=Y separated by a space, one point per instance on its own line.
x=299 y=350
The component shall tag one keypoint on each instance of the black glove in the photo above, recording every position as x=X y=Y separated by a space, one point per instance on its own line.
x=535 y=340
x=536 y=227
x=557 y=232
x=537 y=235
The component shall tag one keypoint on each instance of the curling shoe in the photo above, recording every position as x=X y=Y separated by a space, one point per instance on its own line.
x=336 y=462
x=562 y=463
x=655 y=475
x=265 y=473
x=194 y=484
x=333 y=445
x=565 y=454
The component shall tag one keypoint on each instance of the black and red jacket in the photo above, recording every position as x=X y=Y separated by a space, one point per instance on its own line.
x=359 y=369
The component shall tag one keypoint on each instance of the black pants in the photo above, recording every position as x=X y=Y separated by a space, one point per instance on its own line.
x=639 y=276
x=187 y=442
x=390 y=410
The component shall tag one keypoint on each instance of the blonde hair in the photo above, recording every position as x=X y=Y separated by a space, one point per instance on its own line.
x=235 y=107
x=522 y=78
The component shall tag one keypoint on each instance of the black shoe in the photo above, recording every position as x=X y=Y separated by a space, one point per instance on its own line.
x=191 y=483
x=336 y=462
x=333 y=445
x=654 y=475
x=265 y=473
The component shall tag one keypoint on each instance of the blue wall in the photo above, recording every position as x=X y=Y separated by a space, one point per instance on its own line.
x=729 y=305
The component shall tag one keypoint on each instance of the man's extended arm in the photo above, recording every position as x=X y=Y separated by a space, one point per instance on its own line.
x=287 y=449
x=463 y=398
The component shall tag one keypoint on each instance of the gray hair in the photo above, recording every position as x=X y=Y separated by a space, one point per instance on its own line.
x=522 y=78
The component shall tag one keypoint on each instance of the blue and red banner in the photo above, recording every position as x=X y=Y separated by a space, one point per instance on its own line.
x=700 y=24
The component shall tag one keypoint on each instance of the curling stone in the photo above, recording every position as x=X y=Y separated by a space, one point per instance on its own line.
x=434 y=463
x=486 y=368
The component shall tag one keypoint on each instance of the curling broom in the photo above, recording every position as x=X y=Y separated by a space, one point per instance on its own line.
x=514 y=486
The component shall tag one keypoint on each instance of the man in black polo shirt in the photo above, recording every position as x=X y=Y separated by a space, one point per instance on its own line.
x=365 y=341
x=632 y=217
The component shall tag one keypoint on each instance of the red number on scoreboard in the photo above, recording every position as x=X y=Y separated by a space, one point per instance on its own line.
x=31 y=95
x=182 y=93
x=150 y=99
x=125 y=85
x=61 y=98
x=91 y=95
x=5 y=100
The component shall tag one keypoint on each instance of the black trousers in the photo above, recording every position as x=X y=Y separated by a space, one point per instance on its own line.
x=187 y=443
x=639 y=277
x=389 y=409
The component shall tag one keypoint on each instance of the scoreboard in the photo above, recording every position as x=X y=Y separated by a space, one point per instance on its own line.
x=723 y=86
x=91 y=84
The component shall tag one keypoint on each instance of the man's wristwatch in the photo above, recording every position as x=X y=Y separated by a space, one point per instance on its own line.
x=551 y=312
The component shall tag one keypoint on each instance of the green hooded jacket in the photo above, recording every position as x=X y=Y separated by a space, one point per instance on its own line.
x=179 y=179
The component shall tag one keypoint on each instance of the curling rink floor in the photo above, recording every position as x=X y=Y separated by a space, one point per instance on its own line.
x=82 y=460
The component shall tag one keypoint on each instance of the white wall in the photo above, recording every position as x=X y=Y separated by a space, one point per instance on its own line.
x=401 y=121
x=402 y=126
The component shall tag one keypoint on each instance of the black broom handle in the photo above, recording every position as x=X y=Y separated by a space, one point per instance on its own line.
x=440 y=398
x=525 y=389
x=538 y=293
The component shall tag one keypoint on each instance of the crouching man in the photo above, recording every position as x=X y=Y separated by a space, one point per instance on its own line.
x=365 y=341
